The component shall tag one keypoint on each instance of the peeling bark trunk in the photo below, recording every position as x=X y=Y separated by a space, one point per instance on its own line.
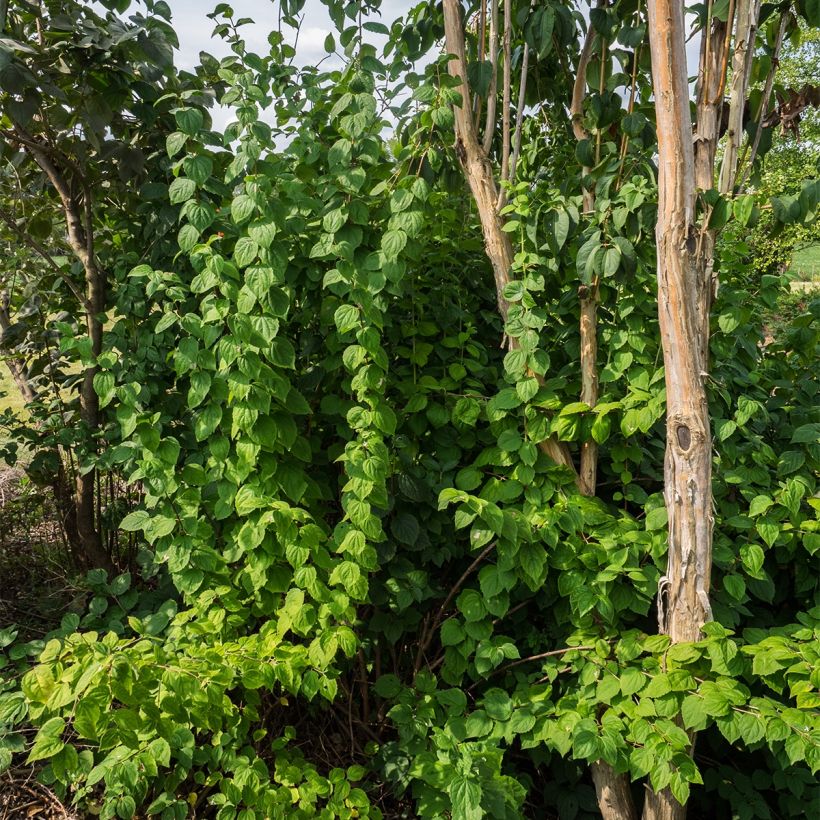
x=17 y=369
x=589 y=380
x=684 y=293
x=479 y=174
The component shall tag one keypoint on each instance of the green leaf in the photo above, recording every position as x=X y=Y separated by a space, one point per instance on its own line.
x=347 y=318
x=471 y=605
x=206 y=421
x=693 y=712
x=175 y=142
x=807 y=434
x=752 y=557
x=759 y=505
x=768 y=529
x=200 y=385
x=465 y=796
x=104 y=386
x=245 y=251
x=242 y=208
x=198 y=168
x=479 y=75
x=656 y=519
x=47 y=742
x=263 y=232
x=452 y=633
x=497 y=704
x=181 y=190
x=135 y=521
x=743 y=208
x=189 y=120
x=387 y=686
x=393 y=243
x=612 y=261
x=632 y=680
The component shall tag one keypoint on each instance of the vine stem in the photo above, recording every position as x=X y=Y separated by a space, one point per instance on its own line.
x=428 y=635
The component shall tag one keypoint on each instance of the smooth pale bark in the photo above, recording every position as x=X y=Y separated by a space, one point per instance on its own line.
x=684 y=294
x=489 y=125
x=479 y=174
x=506 y=92
x=613 y=793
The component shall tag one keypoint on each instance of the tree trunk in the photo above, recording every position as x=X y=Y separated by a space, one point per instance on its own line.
x=614 y=795
x=684 y=295
x=77 y=212
x=588 y=295
x=16 y=367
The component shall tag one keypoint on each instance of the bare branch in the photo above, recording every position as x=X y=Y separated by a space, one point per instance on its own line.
x=748 y=13
x=506 y=93
x=764 y=102
x=519 y=122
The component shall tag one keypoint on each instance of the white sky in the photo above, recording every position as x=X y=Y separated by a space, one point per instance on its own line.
x=194 y=28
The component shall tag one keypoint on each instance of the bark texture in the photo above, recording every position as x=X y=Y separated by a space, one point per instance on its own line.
x=684 y=295
x=614 y=795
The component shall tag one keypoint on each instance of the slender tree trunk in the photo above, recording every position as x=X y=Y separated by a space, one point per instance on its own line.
x=17 y=370
x=16 y=367
x=492 y=92
x=709 y=108
x=588 y=295
x=77 y=212
x=684 y=294
x=60 y=484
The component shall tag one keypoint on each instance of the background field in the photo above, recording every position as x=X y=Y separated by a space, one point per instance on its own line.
x=806 y=264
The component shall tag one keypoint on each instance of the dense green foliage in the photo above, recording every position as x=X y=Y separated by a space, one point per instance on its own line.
x=361 y=588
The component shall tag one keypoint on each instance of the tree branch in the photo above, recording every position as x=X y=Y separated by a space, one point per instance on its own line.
x=506 y=94
x=764 y=102
x=39 y=249
x=489 y=123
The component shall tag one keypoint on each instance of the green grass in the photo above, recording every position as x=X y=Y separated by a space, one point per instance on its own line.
x=806 y=264
x=10 y=397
